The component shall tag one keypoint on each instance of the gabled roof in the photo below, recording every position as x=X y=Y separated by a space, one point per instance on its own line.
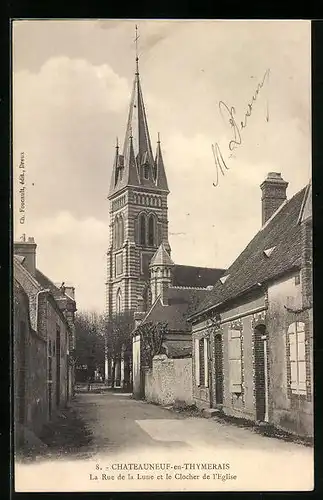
x=253 y=266
x=40 y=281
x=192 y=276
x=181 y=303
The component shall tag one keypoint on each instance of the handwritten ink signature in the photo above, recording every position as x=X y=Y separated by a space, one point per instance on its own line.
x=228 y=114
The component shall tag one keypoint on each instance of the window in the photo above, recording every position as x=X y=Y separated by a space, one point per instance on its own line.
x=146 y=171
x=142 y=229
x=121 y=231
x=201 y=362
x=197 y=361
x=151 y=230
x=119 y=264
x=297 y=359
x=235 y=355
x=119 y=302
x=118 y=231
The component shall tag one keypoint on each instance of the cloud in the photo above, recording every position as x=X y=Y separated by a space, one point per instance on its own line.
x=71 y=101
x=73 y=250
x=66 y=117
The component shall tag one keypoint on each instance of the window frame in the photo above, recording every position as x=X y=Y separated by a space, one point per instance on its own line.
x=146 y=171
x=297 y=357
x=151 y=231
x=235 y=382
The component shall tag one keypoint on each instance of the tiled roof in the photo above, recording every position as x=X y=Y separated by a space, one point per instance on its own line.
x=181 y=303
x=192 y=276
x=253 y=266
x=45 y=282
x=19 y=258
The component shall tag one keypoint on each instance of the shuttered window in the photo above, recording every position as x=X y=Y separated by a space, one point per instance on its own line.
x=202 y=362
x=206 y=362
x=297 y=359
x=197 y=362
x=201 y=355
x=235 y=368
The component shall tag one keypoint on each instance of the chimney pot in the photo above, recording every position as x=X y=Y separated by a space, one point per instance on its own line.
x=273 y=194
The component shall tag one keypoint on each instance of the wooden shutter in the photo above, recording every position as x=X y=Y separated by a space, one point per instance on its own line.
x=197 y=361
x=296 y=337
x=206 y=362
x=292 y=356
x=235 y=375
x=301 y=361
x=202 y=365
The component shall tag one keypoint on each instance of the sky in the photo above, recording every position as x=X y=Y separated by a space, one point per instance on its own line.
x=72 y=83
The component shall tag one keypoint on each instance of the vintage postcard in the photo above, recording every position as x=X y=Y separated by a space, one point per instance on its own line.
x=162 y=284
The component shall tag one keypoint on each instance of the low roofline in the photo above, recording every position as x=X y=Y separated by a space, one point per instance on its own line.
x=256 y=286
x=202 y=267
x=41 y=288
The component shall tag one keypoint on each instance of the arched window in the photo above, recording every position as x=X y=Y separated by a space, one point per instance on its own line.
x=142 y=229
x=121 y=231
x=116 y=232
x=151 y=230
x=146 y=171
x=119 y=302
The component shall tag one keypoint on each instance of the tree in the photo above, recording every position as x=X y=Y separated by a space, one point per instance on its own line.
x=152 y=336
x=118 y=340
x=89 y=345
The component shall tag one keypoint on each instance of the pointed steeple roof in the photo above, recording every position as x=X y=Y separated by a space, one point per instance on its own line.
x=117 y=174
x=161 y=180
x=137 y=123
x=136 y=163
x=161 y=257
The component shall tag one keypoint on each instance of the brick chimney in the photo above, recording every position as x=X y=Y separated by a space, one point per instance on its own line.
x=273 y=195
x=27 y=249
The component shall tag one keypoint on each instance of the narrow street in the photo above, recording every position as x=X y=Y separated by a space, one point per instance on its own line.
x=121 y=430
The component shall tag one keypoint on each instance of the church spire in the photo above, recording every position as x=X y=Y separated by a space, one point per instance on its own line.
x=139 y=167
x=161 y=179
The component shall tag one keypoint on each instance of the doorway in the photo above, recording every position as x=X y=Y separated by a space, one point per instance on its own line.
x=261 y=373
x=218 y=369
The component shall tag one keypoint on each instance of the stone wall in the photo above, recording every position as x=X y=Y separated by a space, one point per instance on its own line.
x=169 y=381
x=293 y=412
x=30 y=371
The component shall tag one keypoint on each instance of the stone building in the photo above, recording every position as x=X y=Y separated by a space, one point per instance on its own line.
x=173 y=292
x=44 y=337
x=253 y=333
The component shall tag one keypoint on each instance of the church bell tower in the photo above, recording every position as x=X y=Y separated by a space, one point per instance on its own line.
x=138 y=210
